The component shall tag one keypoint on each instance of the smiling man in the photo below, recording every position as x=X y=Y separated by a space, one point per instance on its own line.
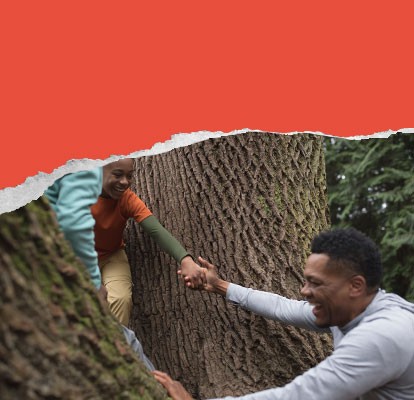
x=373 y=331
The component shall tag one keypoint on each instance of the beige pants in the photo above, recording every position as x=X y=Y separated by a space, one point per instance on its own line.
x=116 y=276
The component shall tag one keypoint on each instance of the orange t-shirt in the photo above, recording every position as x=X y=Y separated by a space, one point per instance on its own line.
x=111 y=217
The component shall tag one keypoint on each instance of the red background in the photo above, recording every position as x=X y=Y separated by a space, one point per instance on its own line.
x=88 y=79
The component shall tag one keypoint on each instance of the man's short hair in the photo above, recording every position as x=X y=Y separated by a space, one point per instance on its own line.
x=352 y=249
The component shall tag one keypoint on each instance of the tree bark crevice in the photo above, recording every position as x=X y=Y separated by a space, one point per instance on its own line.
x=250 y=203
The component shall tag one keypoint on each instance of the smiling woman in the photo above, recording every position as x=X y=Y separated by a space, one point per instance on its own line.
x=116 y=204
x=117 y=178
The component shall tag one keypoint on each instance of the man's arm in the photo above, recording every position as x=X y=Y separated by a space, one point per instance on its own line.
x=365 y=361
x=268 y=305
x=367 y=358
x=174 y=388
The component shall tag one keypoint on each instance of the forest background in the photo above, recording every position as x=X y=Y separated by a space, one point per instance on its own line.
x=371 y=187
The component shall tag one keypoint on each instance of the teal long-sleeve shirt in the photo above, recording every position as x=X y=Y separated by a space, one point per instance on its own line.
x=71 y=198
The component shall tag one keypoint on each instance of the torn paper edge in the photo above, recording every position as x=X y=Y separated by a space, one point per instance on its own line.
x=12 y=198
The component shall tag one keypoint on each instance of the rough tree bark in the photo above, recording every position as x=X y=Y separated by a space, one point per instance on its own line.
x=57 y=340
x=249 y=203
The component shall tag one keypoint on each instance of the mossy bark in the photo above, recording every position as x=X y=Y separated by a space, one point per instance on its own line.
x=249 y=203
x=57 y=339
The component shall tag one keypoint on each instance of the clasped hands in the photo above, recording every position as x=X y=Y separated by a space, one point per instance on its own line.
x=201 y=278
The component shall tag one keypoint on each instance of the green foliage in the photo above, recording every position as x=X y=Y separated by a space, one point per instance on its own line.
x=371 y=187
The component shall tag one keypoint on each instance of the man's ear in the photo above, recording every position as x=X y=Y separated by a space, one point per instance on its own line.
x=358 y=285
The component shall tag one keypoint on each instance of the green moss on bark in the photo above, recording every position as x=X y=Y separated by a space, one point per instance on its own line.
x=57 y=338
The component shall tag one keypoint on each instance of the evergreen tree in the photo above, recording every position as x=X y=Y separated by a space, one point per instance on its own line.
x=371 y=187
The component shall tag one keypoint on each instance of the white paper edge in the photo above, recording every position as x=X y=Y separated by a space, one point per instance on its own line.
x=12 y=198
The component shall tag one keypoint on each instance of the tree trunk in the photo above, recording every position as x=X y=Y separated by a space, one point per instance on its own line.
x=249 y=203
x=57 y=340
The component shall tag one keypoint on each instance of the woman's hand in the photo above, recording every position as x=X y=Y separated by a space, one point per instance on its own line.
x=193 y=275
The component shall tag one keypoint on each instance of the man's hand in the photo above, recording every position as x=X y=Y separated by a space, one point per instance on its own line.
x=193 y=274
x=174 y=388
x=212 y=282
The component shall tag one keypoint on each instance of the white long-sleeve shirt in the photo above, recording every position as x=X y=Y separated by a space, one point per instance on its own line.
x=373 y=357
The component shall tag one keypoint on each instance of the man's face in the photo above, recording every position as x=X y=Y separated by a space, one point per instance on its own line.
x=117 y=178
x=328 y=291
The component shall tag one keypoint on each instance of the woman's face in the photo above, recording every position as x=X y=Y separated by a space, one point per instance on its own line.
x=117 y=178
